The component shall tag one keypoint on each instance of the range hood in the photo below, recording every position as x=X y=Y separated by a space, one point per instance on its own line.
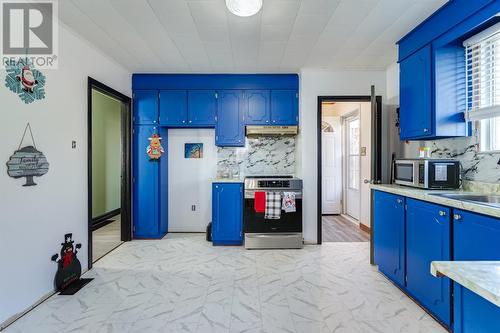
x=272 y=130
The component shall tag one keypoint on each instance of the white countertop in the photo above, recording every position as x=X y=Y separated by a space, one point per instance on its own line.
x=426 y=195
x=227 y=180
x=481 y=277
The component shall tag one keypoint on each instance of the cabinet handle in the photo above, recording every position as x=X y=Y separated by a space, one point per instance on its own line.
x=442 y=213
x=426 y=130
x=457 y=217
x=190 y=121
x=267 y=121
x=399 y=201
x=183 y=121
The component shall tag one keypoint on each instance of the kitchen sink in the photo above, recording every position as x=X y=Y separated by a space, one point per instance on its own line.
x=490 y=200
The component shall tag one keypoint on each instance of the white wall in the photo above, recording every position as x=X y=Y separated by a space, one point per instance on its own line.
x=35 y=219
x=189 y=180
x=326 y=83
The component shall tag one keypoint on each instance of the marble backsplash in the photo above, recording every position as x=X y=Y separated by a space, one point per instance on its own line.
x=481 y=167
x=260 y=156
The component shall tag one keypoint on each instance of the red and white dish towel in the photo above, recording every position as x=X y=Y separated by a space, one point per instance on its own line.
x=289 y=205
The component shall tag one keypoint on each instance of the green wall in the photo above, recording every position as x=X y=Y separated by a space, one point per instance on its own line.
x=106 y=153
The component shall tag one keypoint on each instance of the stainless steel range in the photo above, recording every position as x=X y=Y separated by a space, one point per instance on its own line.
x=282 y=233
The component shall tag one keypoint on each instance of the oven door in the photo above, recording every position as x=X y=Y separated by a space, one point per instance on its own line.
x=256 y=223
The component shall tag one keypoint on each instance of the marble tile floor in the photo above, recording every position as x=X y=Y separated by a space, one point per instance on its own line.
x=184 y=284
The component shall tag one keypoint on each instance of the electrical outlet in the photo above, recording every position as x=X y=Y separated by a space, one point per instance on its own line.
x=193 y=208
x=73 y=144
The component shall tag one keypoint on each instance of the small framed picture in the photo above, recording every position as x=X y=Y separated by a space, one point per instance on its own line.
x=193 y=150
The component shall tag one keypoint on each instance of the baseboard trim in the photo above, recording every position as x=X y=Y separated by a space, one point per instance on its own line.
x=364 y=227
x=101 y=221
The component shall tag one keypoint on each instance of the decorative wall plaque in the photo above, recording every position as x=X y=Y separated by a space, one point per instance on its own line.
x=27 y=162
x=25 y=81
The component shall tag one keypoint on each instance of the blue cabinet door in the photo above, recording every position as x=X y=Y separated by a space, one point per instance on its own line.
x=202 y=107
x=145 y=107
x=389 y=235
x=145 y=185
x=473 y=313
x=475 y=237
x=230 y=130
x=416 y=110
x=173 y=108
x=227 y=213
x=284 y=107
x=257 y=107
x=428 y=239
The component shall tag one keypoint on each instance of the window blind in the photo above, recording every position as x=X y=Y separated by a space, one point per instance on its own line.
x=482 y=53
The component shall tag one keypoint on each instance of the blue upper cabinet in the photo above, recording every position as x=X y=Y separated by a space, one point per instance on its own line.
x=415 y=95
x=432 y=69
x=230 y=129
x=427 y=240
x=202 y=107
x=145 y=107
x=257 y=107
x=284 y=107
x=227 y=213
x=389 y=235
x=173 y=107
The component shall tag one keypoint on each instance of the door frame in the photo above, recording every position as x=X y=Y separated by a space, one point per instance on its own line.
x=125 y=209
x=345 y=160
x=376 y=121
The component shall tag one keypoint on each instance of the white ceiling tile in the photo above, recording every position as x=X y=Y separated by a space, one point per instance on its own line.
x=286 y=35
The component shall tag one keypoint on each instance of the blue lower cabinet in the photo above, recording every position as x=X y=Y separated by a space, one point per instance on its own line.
x=149 y=198
x=227 y=213
x=473 y=313
x=475 y=237
x=428 y=239
x=389 y=235
x=230 y=129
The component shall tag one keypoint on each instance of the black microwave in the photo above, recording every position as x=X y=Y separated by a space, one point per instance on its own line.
x=427 y=173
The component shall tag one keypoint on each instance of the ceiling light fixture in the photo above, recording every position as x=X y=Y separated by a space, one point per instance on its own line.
x=244 y=8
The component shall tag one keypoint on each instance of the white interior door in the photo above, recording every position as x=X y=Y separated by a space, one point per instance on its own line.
x=352 y=126
x=189 y=181
x=331 y=166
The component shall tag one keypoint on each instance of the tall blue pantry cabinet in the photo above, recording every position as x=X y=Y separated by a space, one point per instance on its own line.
x=223 y=102
x=149 y=180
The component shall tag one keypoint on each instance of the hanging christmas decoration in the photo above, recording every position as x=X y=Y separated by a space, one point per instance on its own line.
x=26 y=81
x=27 y=161
x=155 y=150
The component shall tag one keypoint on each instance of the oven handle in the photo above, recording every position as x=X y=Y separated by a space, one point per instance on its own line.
x=250 y=194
